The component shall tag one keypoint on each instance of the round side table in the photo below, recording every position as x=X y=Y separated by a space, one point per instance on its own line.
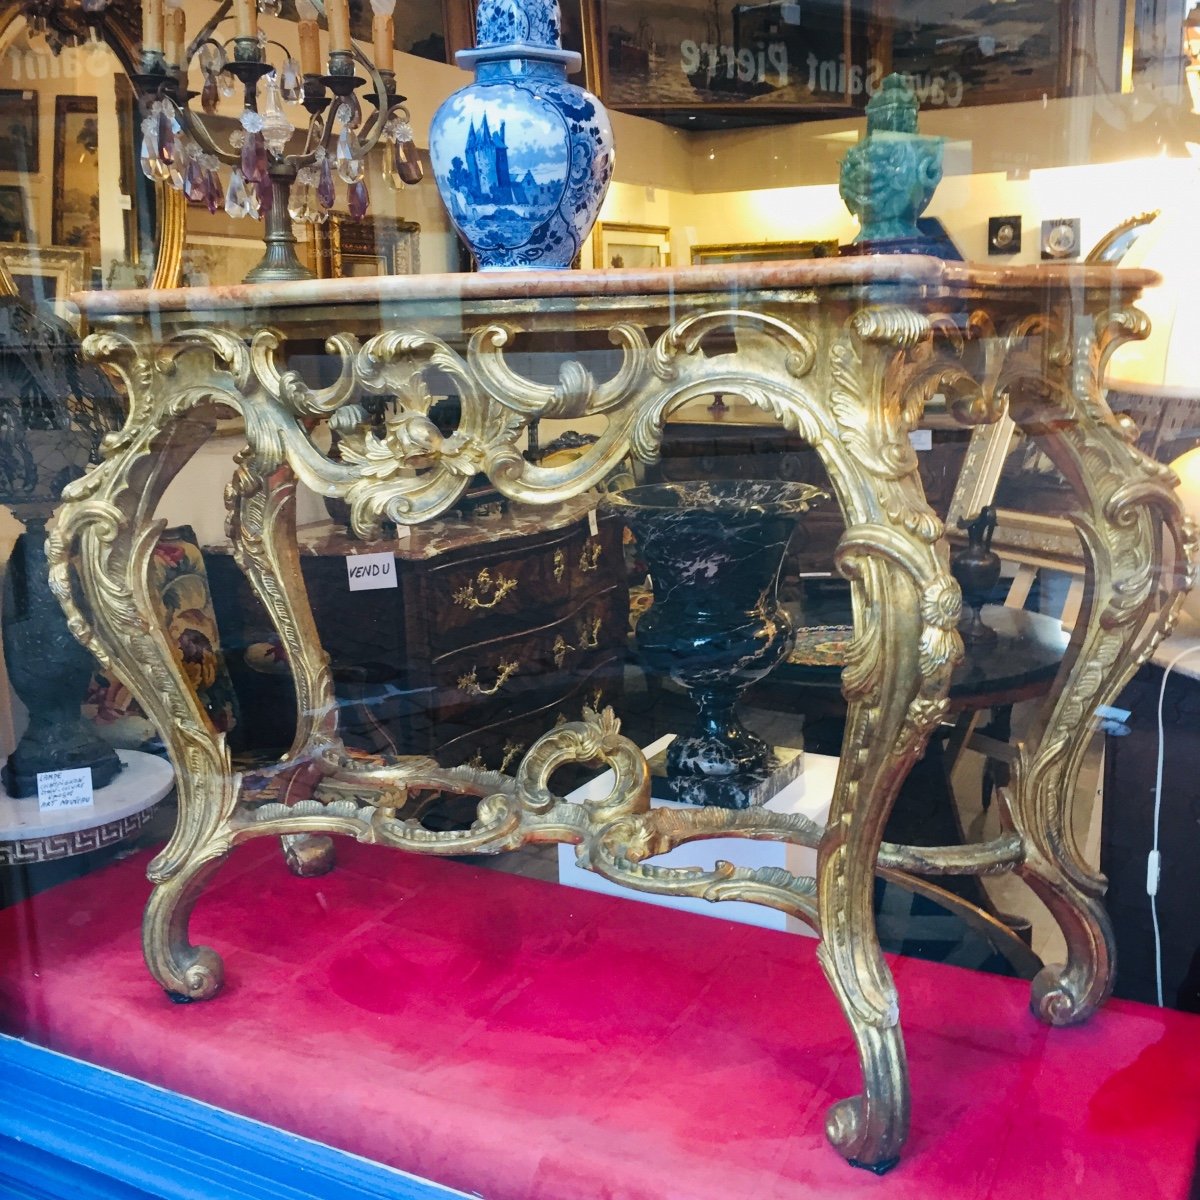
x=29 y=836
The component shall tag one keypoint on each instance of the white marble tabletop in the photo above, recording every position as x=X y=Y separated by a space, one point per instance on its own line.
x=144 y=781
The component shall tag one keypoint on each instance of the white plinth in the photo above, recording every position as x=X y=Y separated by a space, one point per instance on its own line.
x=28 y=835
x=809 y=795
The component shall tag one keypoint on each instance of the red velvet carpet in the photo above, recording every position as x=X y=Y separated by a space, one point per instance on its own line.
x=530 y=1042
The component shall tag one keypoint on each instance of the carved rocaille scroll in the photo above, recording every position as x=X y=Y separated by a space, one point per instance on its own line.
x=844 y=354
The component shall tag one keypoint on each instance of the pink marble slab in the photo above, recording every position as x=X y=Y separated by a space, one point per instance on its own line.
x=913 y=271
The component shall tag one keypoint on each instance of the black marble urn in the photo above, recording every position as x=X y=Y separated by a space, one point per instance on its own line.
x=715 y=550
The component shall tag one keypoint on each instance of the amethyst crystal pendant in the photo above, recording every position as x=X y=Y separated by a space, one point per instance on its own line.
x=714 y=550
x=522 y=158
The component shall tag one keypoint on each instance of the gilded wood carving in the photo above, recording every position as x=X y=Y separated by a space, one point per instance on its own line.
x=848 y=370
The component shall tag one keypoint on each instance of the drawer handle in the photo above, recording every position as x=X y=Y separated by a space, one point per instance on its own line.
x=499 y=587
x=470 y=684
x=560 y=564
x=590 y=556
x=561 y=648
x=589 y=636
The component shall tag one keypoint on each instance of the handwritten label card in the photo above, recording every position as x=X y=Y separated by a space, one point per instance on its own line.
x=922 y=439
x=593 y=524
x=369 y=572
x=58 y=790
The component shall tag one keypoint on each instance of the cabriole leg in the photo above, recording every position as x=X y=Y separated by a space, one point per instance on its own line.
x=1129 y=517
x=262 y=529
x=100 y=554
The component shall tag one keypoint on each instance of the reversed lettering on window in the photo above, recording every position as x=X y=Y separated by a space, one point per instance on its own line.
x=369 y=572
x=64 y=789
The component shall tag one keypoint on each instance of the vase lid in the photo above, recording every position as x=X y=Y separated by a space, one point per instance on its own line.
x=518 y=29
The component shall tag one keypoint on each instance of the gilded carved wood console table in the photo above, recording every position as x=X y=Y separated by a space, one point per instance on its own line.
x=844 y=353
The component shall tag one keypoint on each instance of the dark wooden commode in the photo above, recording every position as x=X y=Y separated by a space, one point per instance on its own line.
x=498 y=625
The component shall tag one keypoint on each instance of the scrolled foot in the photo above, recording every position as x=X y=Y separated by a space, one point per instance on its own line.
x=308 y=854
x=1067 y=994
x=201 y=978
x=844 y=1126
x=1058 y=998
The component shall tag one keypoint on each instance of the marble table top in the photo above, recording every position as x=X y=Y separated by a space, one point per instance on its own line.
x=907 y=271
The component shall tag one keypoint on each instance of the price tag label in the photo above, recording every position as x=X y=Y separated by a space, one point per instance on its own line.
x=369 y=572
x=64 y=789
x=921 y=439
x=593 y=524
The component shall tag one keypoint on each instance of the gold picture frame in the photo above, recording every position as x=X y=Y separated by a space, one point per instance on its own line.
x=737 y=252
x=46 y=275
x=342 y=248
x=1022 y=536
x=75 y=220
x=618 y=245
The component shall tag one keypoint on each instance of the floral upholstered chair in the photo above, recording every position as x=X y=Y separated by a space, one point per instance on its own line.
x=180 y=583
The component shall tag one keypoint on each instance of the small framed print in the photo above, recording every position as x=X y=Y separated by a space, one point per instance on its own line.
x=343 y=248
x=731 y=252
x=76 y=216
x=1060 y=239
x=19 y=131
x=46 y=274
x=631 y=246
x=14 y=214
x=1004 y=235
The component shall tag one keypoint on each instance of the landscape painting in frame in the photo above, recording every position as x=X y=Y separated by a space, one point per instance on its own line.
x=420 y=25
x=667 y=57
x=76 y=219
x=961 y=52
x=18 y=131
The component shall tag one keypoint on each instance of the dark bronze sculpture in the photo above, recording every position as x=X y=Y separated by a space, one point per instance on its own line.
x=54 y=412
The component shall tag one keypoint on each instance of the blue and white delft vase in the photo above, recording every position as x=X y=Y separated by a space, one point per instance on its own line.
x=522 y=158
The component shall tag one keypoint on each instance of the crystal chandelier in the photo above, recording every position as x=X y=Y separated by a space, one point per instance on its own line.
x=253 y=174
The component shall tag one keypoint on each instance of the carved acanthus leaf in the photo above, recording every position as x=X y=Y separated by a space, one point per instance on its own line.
x=289 y=388
x=229 y=352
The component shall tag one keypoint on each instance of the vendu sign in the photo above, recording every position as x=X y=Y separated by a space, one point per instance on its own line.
x=368 y=572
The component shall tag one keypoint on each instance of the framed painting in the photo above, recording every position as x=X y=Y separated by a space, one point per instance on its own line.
x=19 y=131
x=14 y=214
x=631 y=246
x=343 y=248
x=1004 y=468
x=736 y=252
x=431 y=29
x=711 y=63
x=76 y=214
x=958 y=54
x=216 y=260
x=46 y=275
x=691 y=61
